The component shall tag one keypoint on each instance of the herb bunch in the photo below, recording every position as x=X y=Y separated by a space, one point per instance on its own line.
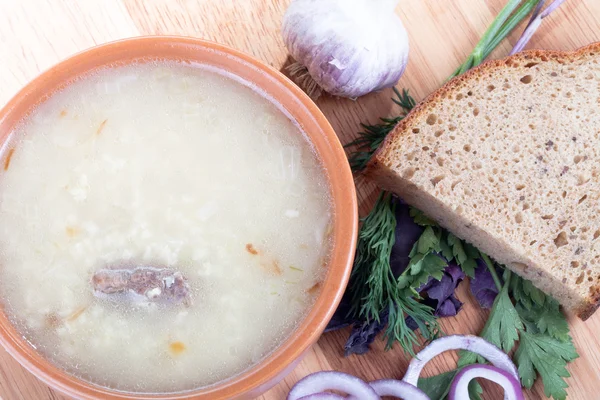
x=374 y=289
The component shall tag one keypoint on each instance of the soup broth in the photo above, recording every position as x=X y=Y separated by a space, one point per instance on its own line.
x=163 y=227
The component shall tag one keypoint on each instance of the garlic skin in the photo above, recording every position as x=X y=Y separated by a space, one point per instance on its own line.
x=350 y=47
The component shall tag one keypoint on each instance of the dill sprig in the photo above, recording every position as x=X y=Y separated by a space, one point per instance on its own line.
x=373 y=135
x=398 y=329
x=373 y=288
x=372 y=280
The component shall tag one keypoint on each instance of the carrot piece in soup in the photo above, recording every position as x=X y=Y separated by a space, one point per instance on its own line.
x=250 y=249
x=8 y=158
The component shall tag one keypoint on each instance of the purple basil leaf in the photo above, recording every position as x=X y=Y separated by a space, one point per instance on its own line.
x=486 y=297
x=341 y=318
x=455 y=272
x=411 y=323
x=446 y=309
x=457 y=303
x=482 y=285
x=407 y=233
x=453 y=276
x=363 y=334
x=440 y=294
x=449 y=308
x=427 y=285
x=442 y=289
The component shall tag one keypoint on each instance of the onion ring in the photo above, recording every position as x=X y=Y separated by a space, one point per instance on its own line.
x=459 y=342
x=323 y=396
x=397 y=388
x=331 y=380
x=460 y=385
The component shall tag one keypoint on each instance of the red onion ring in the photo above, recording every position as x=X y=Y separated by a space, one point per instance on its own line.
x=331 y=380
x=459 y=342
x=460 y=385
x=323 y=396
x=396 y=388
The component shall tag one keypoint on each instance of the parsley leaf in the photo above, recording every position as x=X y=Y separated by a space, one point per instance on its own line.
x=469 y=265
x=464 y=254
x=475 y=390
x=425 y=262
x=534 y=293
x=545 y=346
x=502 y=327
x=418 y=273
x=436 y=387
x=547 y=319
x=420 y=218
x=446 y=249
x=548 y=356
x=504 y=323
x=436 y=239
x=457 y=248
x=428 y=241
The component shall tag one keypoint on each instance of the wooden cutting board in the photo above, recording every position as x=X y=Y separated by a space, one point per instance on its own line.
x=35 y=34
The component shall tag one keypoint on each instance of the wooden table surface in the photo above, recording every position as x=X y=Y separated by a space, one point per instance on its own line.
x=35 y=34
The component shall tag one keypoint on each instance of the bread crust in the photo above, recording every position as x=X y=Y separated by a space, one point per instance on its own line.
x=378 y=171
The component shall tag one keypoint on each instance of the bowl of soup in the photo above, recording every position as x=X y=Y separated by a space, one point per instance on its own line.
x=177 y=220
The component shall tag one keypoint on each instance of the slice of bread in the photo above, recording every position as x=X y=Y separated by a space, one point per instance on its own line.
x=507 y=157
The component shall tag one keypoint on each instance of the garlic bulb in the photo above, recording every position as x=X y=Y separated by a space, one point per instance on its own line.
x=348 y=47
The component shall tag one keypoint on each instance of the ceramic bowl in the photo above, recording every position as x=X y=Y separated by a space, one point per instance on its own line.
x=282 y=360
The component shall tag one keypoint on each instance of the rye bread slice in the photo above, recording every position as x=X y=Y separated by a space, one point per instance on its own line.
x=507 y=157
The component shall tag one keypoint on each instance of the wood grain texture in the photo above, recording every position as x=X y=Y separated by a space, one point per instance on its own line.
x=35 y=34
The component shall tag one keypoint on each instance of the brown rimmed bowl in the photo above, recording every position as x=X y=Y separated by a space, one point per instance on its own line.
x=282 y=360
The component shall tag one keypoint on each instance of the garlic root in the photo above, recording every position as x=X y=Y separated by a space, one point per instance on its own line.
x=300 y=75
